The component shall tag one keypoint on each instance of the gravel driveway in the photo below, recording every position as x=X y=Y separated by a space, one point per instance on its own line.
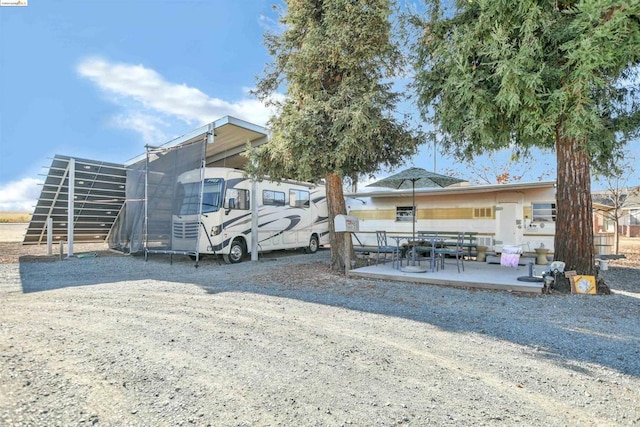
x=119 y=341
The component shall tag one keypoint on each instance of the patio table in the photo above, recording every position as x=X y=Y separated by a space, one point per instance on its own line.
x=412 y=245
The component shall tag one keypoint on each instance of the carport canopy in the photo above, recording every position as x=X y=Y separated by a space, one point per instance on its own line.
x=227 y=138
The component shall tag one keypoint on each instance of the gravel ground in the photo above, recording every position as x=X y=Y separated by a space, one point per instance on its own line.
x=114 y=340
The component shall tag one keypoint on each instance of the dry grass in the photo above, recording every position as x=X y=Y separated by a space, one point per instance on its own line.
x=14 y=217
x=630 y=248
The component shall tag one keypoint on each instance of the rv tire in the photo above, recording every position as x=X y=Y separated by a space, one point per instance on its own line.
x=313 y=245
x=236 y=253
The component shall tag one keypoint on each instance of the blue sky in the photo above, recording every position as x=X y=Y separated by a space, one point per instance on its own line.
x=99 y=79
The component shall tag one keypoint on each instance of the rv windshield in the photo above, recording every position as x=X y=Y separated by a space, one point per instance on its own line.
x=188 y=196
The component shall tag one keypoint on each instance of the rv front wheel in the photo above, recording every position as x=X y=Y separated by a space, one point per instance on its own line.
x=236 y=253
x=313 y=245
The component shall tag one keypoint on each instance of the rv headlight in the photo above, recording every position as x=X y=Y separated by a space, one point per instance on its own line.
x=215 y=230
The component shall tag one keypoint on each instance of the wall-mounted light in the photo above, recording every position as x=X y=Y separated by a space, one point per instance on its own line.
x=210 y=133
x=210 y=137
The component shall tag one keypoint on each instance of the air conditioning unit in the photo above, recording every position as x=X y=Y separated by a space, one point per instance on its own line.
x=484 y=241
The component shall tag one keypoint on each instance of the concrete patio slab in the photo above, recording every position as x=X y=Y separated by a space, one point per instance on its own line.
x=475 y=275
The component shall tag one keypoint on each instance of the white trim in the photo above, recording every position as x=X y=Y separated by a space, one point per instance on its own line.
x=454 y=190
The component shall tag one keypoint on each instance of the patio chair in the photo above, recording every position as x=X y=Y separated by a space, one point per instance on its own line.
x=384 y=248
x=427 y=248
x=457 y=252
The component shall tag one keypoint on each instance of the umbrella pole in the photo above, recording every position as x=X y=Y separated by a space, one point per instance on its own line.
x=412 y=268
x=413 y=214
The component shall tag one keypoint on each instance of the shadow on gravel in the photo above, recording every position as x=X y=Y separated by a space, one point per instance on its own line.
x=566 y=330
x=632 y=286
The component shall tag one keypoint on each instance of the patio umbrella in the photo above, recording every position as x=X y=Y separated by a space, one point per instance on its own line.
x=416 y=178
x=412 y=178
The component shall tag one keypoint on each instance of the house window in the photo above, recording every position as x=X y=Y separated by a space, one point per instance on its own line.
x=634 y=217
x=609 y=226
x=404 y=213
x=483 y=212
x=544 y=212
x=299 y=199
x=272 y=198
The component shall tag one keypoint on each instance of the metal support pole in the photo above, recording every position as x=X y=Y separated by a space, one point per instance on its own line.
x=347 y=253
x=71 y=206
x=203 y=165
x=254 y=220
x=49 y=236
x=146 y=201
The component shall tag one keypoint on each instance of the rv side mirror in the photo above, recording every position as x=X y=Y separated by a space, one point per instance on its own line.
x=230 y=204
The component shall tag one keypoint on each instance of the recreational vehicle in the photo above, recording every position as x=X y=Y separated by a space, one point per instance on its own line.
x=522 y=214
x=214 y=211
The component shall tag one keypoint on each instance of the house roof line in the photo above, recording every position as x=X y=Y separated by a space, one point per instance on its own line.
x=453 y=189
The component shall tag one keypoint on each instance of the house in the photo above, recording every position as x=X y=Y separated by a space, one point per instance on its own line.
x=627 y=201
x=500 y=214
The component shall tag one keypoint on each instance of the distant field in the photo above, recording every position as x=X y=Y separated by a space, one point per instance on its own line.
x=12 y=217
x=12 y=231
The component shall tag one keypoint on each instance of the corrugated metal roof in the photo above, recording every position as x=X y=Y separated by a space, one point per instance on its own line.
x=99 y=196
x=230 y=138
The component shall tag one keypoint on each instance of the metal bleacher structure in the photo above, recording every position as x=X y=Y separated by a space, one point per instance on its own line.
x=99 y=194
x=100 y=188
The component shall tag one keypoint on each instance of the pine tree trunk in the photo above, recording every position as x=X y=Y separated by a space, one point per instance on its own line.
x=336 y=206
x=574 y=224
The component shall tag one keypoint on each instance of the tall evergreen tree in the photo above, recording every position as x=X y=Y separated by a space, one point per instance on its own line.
x=556 y=74
x=336 y=59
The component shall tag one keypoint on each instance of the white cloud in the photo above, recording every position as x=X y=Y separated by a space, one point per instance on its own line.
x=150 y=106
x=150 y=101
x=20 y=196
x=148 y=126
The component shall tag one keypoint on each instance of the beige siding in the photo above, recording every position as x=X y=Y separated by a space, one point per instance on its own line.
x=471 y=212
